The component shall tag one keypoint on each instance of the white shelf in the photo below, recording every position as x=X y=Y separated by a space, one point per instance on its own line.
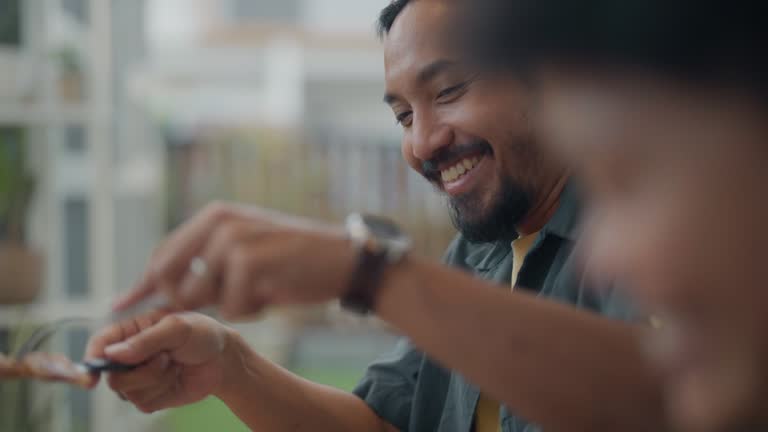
x=32 y=71
x=36 y=115
x=37 y=314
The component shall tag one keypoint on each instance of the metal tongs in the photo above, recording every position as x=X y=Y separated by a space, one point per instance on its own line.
x=94 y=366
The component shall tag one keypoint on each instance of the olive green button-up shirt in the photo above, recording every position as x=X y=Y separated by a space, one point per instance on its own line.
x=413 y=393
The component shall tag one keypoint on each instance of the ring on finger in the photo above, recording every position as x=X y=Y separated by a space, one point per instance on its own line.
x=198 y=267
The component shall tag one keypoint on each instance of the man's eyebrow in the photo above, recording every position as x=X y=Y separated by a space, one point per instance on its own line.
x=390 y=98
x=433 y=69
x=426 y=74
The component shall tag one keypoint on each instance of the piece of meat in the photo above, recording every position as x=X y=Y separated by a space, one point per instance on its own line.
x=6 y=367
x=46 y=367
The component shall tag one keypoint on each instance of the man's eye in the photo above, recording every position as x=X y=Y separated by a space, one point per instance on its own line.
x=452 y=91
x=404 y=119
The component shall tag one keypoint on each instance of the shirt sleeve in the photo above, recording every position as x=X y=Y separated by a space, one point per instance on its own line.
x=614 y=303
x=389 y=384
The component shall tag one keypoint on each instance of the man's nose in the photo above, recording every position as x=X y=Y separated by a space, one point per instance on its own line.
x=430 y=137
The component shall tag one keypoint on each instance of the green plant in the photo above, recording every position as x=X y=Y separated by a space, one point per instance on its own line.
x=69 y=60
x=16 y=185
x=22 y=407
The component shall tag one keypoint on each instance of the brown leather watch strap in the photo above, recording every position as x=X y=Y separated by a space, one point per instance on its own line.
x=365 y=281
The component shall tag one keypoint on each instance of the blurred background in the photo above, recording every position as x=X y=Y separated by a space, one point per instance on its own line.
x=121 y=118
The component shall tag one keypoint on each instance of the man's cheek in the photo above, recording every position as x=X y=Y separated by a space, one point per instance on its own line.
x=406 y=150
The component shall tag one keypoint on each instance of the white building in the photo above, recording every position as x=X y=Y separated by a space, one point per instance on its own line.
x=95 y=111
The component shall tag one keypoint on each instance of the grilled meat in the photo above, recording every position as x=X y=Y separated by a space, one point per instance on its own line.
x=45 y=367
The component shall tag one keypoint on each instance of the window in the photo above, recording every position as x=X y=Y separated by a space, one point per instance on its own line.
x=80 y=400
x=75 y=140
x=77 y=8
x=10 y=22
x=76 y=248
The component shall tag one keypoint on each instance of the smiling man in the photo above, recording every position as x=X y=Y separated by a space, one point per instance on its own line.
x=470 y=135
x=492 y=171
x=542 y=354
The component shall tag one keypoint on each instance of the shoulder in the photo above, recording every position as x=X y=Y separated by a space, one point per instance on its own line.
x=470 y=256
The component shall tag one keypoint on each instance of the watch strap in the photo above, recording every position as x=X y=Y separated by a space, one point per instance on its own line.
x=365 y=280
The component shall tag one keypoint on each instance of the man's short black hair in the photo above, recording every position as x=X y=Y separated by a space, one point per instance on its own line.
x=716 y=41
x=388 y=16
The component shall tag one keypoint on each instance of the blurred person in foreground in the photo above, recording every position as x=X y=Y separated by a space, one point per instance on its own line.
x=553 y=364
x=662 y=108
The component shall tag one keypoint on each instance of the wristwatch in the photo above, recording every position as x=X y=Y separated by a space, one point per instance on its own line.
x=379 y=243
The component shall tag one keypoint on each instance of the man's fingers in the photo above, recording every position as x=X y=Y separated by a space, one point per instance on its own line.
x=244 y=292
x=147 y=394
x=145 y=321
x=161 y=401
x=167 y=335
x=147 y=376
x=198 y=290
x=172 y=261
x=104 y=338
x=121 y=331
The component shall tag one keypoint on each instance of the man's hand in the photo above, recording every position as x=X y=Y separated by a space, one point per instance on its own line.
x=182 y=356
x=242 y=259
x=185 y=357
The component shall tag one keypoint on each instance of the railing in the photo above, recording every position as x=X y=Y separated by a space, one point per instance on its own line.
x=324 y=177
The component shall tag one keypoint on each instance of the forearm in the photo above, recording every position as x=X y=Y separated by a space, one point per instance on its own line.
x=562 y=368
x=269 y=398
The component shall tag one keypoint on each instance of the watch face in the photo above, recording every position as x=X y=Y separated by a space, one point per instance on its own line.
x=382 y=228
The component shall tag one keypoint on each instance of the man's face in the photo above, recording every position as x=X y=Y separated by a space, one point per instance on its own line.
x=677 y=180
x=466 y=134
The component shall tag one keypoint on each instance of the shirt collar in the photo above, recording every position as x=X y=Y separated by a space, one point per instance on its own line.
x=564 y=224
x=565 y=221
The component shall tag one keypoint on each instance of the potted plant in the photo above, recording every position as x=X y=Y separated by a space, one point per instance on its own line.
x=70 y=84
x=20 y=266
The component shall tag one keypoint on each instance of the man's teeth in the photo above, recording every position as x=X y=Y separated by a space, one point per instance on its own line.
x=457 y=171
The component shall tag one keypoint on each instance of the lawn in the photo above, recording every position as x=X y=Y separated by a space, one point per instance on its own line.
x=211 y=414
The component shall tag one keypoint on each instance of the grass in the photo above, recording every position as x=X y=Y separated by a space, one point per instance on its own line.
x=342 y=379
x=212 y=414
x=208 y=415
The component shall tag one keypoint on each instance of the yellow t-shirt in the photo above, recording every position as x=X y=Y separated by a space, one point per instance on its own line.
x=487 y=417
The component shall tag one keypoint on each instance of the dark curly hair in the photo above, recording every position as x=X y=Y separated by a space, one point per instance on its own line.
x=388 y=16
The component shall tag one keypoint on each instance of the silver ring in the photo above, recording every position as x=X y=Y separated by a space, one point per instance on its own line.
x=198 y=267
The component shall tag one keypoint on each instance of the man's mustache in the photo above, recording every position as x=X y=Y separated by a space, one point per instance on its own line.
x=430 y=168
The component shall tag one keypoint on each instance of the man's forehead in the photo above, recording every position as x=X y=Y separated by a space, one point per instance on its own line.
x=425 y=12
x=418 y=37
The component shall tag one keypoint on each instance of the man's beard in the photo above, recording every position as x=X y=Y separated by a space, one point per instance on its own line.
x=496 y=223
x=476 y=224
